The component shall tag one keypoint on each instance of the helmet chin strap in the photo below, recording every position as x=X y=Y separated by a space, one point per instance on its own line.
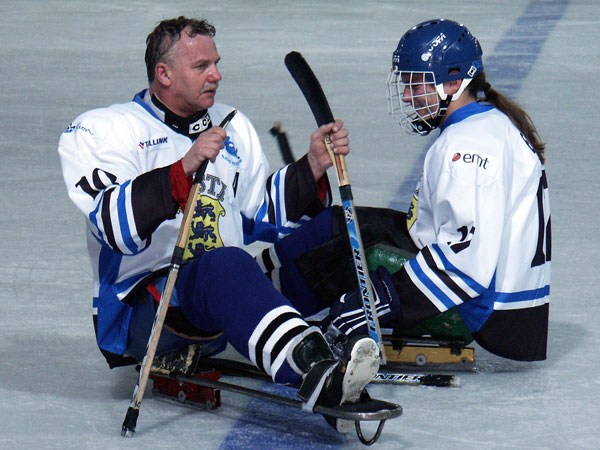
x=443 y=107
x=424 y=127
x=445 y=100
x=463 y=85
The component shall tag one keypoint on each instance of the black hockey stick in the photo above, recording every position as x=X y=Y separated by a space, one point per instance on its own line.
x=129 y=424
x=278 y=132
x=311 y=88
x=242 y=369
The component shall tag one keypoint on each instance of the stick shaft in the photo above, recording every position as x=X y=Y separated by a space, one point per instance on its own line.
x=317 y=101
x=358 y=252
x=165 y=299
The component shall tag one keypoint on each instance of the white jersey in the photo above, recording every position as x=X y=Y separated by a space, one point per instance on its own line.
x=116 y=164
x=481 y=219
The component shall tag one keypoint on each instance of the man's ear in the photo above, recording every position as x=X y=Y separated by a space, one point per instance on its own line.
x=162 y=74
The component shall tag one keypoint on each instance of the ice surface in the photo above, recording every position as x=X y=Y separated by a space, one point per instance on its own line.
x=60 y=58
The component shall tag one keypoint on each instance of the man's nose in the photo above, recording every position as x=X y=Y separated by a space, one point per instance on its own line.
x=214 y=75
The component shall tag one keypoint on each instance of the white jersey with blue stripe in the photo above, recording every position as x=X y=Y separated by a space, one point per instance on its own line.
x=481 y=218
x=114 y=161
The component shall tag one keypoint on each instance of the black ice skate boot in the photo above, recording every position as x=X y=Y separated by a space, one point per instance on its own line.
x=332 y=382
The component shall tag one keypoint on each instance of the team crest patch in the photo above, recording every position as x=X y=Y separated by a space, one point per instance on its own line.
x=231 y=153
x=204 y=232
x=411 y=215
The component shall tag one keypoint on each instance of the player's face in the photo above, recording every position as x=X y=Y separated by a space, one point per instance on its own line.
x=194 y=74
x=420 y=92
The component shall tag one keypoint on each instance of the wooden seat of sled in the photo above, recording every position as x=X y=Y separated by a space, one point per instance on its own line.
x=427 y=354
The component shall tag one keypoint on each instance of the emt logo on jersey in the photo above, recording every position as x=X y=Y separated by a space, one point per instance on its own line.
x=152 y=142
x=472 y=158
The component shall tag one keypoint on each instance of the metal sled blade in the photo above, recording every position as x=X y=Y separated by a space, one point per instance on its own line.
x=369 y=410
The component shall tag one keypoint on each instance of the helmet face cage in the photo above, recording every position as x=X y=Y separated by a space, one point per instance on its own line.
x=428 y=55
x=413 y=100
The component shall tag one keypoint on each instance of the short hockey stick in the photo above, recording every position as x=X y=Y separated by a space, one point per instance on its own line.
x=311 y=88
x=284 y=146
x=129 y=424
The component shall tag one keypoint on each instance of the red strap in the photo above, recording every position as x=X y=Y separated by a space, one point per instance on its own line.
x=156 y=296
x=180 y=184
x=322 y=189
x=151 y=288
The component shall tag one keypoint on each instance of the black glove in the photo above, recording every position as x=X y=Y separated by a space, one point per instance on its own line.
x=347 y=314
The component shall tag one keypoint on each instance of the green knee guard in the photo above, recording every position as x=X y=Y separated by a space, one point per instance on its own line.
x=445 y=326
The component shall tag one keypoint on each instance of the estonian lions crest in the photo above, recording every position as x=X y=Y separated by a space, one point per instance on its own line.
x=204 y=231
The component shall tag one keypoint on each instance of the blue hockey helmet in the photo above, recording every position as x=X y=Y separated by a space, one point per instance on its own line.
x=429 y=54
x=442 y=46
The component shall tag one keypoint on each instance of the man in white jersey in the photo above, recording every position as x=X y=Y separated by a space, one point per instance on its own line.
x=479 y=220
x=129 y=168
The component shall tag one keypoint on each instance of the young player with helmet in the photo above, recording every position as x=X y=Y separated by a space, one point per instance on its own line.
x=480 y=215
x=479 y=221
x=128 y=168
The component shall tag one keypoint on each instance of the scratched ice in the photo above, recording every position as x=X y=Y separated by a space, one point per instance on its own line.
x=60 y=58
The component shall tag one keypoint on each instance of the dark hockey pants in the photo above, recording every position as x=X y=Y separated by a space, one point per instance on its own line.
x=225 y=291
x=316 y=262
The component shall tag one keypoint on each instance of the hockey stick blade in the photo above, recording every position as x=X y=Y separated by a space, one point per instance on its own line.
x=417 y=379
x=315 y=97
x=310 y=87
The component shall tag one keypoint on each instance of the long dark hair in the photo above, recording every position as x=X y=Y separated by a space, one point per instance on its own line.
x=515 y=113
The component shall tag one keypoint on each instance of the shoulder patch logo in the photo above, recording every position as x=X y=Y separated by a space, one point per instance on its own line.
x=231 y=153
x=472 y=158
x=78 y=127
